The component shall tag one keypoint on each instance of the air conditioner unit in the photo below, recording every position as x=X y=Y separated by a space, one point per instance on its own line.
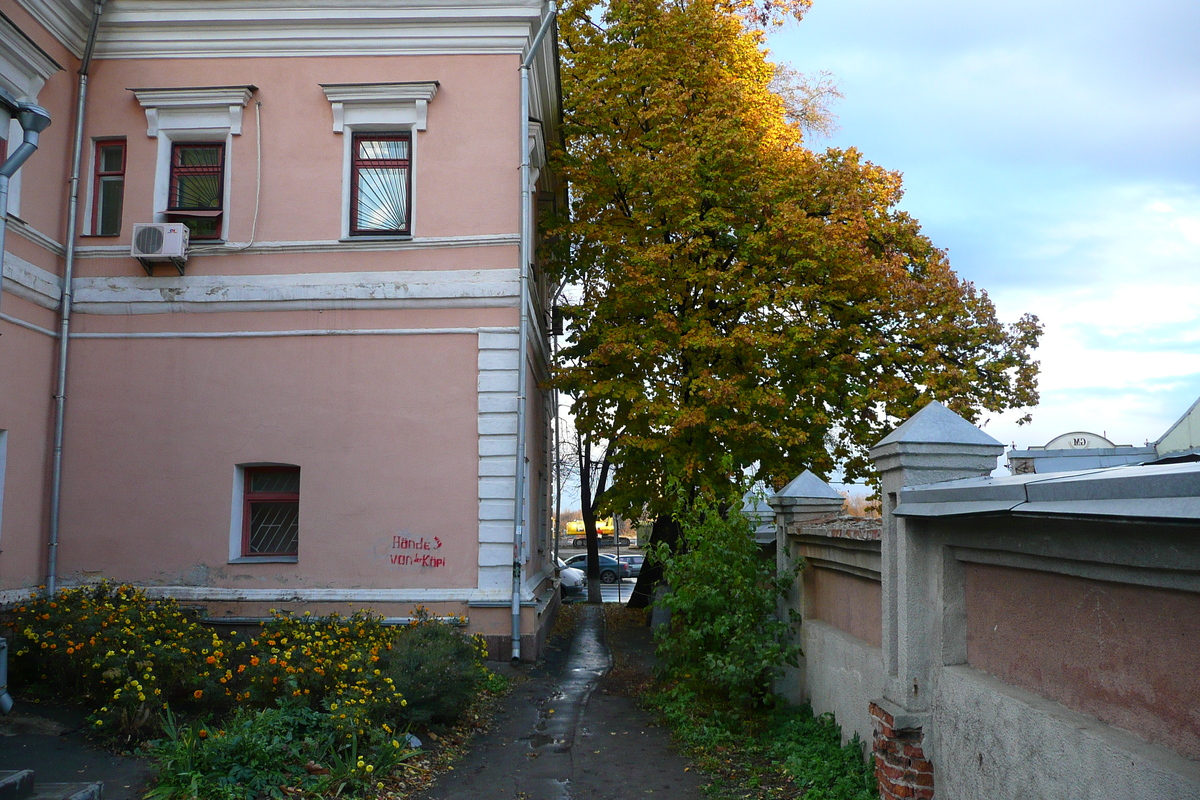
x=160 y=241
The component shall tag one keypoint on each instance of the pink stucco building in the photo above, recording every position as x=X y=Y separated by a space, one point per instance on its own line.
x=324 y=405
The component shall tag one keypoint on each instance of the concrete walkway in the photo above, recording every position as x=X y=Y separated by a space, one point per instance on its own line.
x=49 y=740
x=562 y=736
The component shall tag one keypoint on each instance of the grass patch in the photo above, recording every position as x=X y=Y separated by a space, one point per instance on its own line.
x=766 y=754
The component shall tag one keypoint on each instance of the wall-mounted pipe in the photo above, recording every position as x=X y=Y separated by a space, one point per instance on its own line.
x=526 y=256
x=33 y=120
x=64 y=333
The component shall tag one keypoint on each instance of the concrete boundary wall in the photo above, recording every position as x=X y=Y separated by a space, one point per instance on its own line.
x=844 y=675
x=1038 y=632
x=995 y=740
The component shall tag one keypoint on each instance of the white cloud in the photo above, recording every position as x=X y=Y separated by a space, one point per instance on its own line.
x=1050 y=147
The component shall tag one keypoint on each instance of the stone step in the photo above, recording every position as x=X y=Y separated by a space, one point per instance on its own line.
x=19 y=785
x=16 y=784
x=68 y=791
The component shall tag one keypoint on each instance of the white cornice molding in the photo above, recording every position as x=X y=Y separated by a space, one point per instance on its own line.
x=309 y=291
x=218 y=107
x=28 y=232
x=23 y=62
x=367 y=100
x=31 y=282
x=254 y=28
x=199 y=28
x=67 y=20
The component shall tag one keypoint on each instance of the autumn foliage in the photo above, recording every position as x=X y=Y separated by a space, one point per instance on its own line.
x=743 y=300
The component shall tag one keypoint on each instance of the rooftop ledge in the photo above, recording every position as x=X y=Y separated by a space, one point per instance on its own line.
x=1154 y=492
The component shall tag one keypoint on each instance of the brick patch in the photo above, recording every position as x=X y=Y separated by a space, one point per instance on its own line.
x=901 y=768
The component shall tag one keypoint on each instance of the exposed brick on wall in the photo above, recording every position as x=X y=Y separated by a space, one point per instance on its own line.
x=901 y=768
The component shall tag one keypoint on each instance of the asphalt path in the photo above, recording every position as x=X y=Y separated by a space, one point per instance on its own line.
x=562 y=735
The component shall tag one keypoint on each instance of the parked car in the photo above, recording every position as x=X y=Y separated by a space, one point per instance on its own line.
x=611 y=570
x=572 y=582
x=603 y=540
x=635 y=562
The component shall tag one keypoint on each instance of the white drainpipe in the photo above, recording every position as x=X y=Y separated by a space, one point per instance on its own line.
x=526 y=256
x=64 y=332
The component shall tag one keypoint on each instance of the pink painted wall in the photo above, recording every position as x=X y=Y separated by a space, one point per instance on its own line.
x=27 y=357
x=1128 y=655
x=465 y=181
x=26 y=383
x=847 y=602
x=383 y=428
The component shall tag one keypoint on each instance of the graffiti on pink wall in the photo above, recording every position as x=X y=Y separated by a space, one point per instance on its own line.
x=419 y=552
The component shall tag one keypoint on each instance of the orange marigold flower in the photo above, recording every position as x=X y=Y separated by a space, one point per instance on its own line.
x=198 y=694
x=210 y=660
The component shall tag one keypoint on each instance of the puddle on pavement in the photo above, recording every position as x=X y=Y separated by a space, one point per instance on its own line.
x=587 y=661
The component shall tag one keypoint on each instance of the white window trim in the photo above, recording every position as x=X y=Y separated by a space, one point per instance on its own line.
x=237 y=508
x=379 y=108
x=24 y=70
x=89 y=205
x=193 y=115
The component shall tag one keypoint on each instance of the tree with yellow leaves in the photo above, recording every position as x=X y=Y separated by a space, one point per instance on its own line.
x=743 y=302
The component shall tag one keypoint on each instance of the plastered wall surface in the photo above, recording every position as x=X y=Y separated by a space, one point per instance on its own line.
x=1124 y=654
x=383 y=429
x=847 y=602
x=992 y=740
x=843 y=674
x=25 y=411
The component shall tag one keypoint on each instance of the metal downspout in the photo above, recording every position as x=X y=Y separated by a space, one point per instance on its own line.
x=523 y=333
x=64 y=333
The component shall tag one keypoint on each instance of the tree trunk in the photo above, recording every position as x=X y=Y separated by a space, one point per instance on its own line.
x=666 y=529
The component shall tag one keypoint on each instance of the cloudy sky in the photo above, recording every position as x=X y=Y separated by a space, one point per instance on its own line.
x=1053 y=148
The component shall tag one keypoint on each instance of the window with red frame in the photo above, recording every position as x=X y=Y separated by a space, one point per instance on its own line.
x=108 y=188
x=198 y=187
x=271 y=511
x=380 y=184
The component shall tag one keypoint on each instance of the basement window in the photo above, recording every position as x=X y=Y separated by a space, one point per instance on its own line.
x=270 y=512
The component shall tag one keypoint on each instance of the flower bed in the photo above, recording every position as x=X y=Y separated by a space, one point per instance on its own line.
x=312 y=703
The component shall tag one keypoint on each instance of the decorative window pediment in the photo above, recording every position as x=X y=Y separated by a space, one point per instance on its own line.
x=399 y=105
x=217 y=108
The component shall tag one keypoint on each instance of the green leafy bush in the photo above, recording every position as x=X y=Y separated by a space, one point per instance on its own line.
x=257 y=752
x=766 y=752
x=724 y=637
x=437 y=669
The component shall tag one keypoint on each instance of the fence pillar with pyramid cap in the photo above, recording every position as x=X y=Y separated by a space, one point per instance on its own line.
x=806 y=499
x=935 y=445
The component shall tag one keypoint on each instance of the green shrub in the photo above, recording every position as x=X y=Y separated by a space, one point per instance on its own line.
x=438 y=670
x=724 y=636
x=811 y=751
x=257 y=752
x=766 y=752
